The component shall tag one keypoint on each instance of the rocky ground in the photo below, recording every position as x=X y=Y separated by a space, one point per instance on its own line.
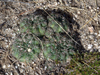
x=85 y=26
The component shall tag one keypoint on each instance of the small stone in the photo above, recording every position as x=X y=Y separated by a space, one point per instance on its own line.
x=7 y=46
x=96 y=45
x=84 y=46
x=55 y=3
x=73 y=18
x=91 y=10
x=95 y=33
x=90 y=36
x=78 y=12
x=11 y=73
x=68 y=60
x=13 y=35
x=98 y=34
x=6 y=73
x=90 y=46
x=99 y=47
x=76 y=15
x=97 y=7
x=91 y=30
x=95 y=41
x=96 y=18
x=23 y=65
x=45 y=67
x=6 y=40
x=21 y=70
x=29 y=50
x=89 y=7
x=99 y=31
x=4 y=66
x=16 y=66
x=32 y=62
x=98 y=50
x=18 y=46
x=8 y=65
x=18 y=29
x=91 y=50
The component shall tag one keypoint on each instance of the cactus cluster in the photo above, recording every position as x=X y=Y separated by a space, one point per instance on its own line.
x=38 y=34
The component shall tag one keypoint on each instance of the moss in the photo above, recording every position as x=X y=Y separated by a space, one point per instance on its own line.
x=86 y=66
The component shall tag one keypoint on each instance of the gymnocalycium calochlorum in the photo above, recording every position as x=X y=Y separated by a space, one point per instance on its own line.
x=37 y=34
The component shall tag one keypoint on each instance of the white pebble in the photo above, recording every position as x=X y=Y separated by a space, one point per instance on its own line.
x=55 y=3
x=96 y=45
x=23 y=64
x=98 y=34
x=95 y=41
x=86 y=20
x=6 y=73
x=91 y=30
x=91 y=50
x=96 y=18
x=91 y=10
x=4 y=66
x=78 y=12
x=97 y=7
x=89 y=7
x=98 y=50
x=68 y=60
x=6 y=40
x=29 y=50
x=8 y=65
x=11 y=73
x=7 y=46
x=90 y=46
x=45 y=68
x=16 y=66
x=18 y=29
x=32 y=62
x=18 y=46
x=95 y=33
x=21 y=70
x=91 y=37
x=99 y=47
x=13 y=35
x=76 y=16
x=73 y=18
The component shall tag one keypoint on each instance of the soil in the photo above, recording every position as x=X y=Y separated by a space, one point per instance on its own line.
x=84 y=20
